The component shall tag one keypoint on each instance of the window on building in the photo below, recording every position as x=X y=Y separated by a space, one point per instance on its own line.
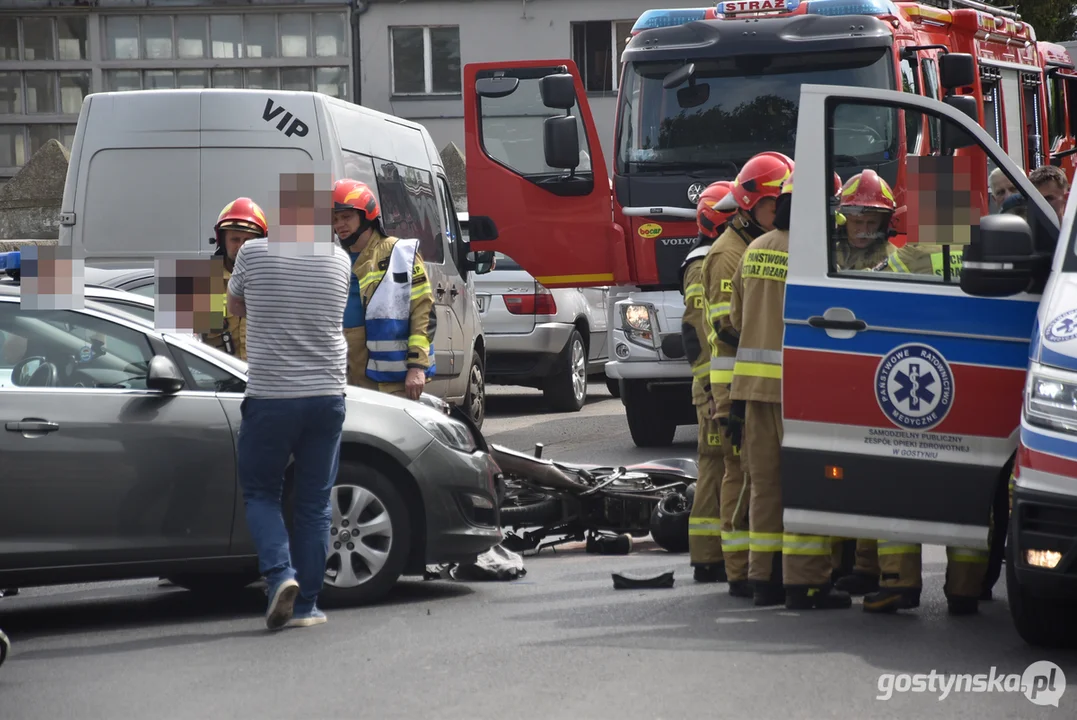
x=38 y=39
x=157 y=37
x=227 y=78
x=263 y=79
x=192 y=36
x=11 y=93
x=9 y=41
x=12 y=146
x=74 y=87
x=329 y=40
x=425 y=60
x=121 y=37
x=295 y=35
x=295 y=79
x=596 y=50
x=331 y=81
x=40 y=92
x=260 y=36
x=191 y=79
x=226 y=36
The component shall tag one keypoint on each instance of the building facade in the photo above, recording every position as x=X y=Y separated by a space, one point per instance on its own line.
x=411 y=54
x=52 y=57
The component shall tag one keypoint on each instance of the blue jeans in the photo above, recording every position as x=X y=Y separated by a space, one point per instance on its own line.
x=271 y=431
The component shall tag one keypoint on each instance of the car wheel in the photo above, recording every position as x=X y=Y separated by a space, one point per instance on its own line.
x=475 y=399
x=5 y=647
x=1041 y=622
x=614 y=386
x=369 y=537
x=566 y=391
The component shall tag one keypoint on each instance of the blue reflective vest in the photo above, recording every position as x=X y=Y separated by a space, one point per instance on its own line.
x=388 y=319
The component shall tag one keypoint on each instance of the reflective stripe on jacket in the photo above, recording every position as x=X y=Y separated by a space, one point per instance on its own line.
x=924 y=260
x=388 y=320
x=694 y=326
x=756 y=309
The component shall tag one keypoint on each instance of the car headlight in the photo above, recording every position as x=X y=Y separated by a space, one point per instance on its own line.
x=637 y=319
x=450 y=433
x=1051 y=398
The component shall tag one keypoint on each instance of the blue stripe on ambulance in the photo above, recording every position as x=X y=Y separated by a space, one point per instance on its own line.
x=1056 y=359
x=958 y=315
x=1039 y=442
x=968 y=351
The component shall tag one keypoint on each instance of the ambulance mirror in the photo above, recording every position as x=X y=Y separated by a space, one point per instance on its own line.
x=956 y=70
x=561 y=142
x=557 y=91
x=998 y=262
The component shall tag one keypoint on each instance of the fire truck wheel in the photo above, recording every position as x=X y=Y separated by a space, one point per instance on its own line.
x=649 y=423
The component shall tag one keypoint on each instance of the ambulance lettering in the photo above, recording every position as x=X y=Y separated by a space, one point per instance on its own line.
x=914 y=386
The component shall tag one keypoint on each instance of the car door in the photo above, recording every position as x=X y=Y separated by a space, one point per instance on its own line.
x=901 y=394
x=98 y=469
x=457 y=290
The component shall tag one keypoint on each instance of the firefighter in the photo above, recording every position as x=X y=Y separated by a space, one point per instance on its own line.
x=801 y=577
x=389 y=320
x=867 y=204
x=751 y=203
x=704 y=524
x=240 y=220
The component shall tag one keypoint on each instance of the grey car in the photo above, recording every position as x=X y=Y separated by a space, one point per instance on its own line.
x=118 y=457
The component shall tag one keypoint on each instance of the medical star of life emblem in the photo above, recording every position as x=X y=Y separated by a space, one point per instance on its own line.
x=914 y=387
x=694 y=191
x=1062 y=328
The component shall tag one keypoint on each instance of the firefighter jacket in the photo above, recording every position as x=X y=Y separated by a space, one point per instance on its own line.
x=847 y=257
x=721 y=262
x=924 y=259
x=399 y=320
x=694 y=324
x=755 y=312
x=234 y=332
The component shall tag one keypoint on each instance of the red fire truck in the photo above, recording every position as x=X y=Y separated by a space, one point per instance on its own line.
x=701 y=91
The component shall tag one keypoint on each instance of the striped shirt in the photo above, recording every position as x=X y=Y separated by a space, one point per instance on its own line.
x=295 y=313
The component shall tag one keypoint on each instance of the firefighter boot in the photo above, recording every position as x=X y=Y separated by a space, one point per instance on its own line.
x=816 y=598
x=741 y=588
x=858 y=583
x=962 y=605
x=888 y=600
x=771 y=592
x=712 y=573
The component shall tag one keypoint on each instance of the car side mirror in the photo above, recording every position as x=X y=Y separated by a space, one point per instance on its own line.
x=956 y=70
x=481 y=262
x=999 y=262
x=163 y=375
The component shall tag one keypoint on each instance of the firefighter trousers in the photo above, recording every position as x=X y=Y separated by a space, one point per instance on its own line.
x=900 y=566
x=705 y=524
x=806 y=560
x=867 y=556
x=736 y=489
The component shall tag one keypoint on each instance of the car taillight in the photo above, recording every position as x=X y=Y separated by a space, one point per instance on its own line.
x=540 y=303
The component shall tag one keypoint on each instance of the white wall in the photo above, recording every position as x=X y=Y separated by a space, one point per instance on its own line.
x=489 y=30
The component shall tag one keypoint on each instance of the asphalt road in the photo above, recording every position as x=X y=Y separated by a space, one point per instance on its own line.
x=559 y=643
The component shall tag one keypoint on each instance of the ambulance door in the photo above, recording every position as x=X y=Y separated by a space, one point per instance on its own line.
x=538 y=190
x=901 y=394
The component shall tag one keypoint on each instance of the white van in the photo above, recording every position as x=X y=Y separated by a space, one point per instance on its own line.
x=150 y=171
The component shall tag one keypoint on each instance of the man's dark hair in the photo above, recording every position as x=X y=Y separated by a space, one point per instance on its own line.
x=1046 y=173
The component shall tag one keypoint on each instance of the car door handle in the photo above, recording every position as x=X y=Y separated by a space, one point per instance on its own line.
x=818 y=321
x=29 y=425
x=440 y=291
x=453 y=291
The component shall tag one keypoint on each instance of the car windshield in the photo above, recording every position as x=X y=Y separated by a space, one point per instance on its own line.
x=735 y=107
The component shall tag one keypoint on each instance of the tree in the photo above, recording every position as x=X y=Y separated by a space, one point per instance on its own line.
x=1053 y=20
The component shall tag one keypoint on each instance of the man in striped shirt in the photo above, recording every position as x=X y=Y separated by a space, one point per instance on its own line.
x=293 y=303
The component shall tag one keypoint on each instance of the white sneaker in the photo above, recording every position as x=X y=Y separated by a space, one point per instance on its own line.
x=314 y=617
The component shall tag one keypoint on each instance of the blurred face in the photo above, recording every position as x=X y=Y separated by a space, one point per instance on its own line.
x=764 y=213
x=1055 y=196
x=863 y=229
x=346 y=222
x=233 y=241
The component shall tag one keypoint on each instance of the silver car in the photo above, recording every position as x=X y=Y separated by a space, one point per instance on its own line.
x=536 y=337
x=118 y=457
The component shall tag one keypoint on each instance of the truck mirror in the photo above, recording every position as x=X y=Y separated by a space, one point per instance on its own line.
x=557 y=91
x=679 y=76
x=496 y=87
x=954 y=136
x=693 y=95
x=956 y=70
x=998 y=262
x=561 y=142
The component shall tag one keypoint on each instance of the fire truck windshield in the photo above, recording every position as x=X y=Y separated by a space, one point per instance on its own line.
x=735 y=107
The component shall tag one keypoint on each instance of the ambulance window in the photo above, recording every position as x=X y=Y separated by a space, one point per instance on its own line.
x=938 y=201
x=409 y=206
x=910 y=83
x=360 y=167
x=1033 y=119
x=931 y=90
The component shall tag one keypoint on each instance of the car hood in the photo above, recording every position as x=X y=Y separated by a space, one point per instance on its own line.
x=1054 y=340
